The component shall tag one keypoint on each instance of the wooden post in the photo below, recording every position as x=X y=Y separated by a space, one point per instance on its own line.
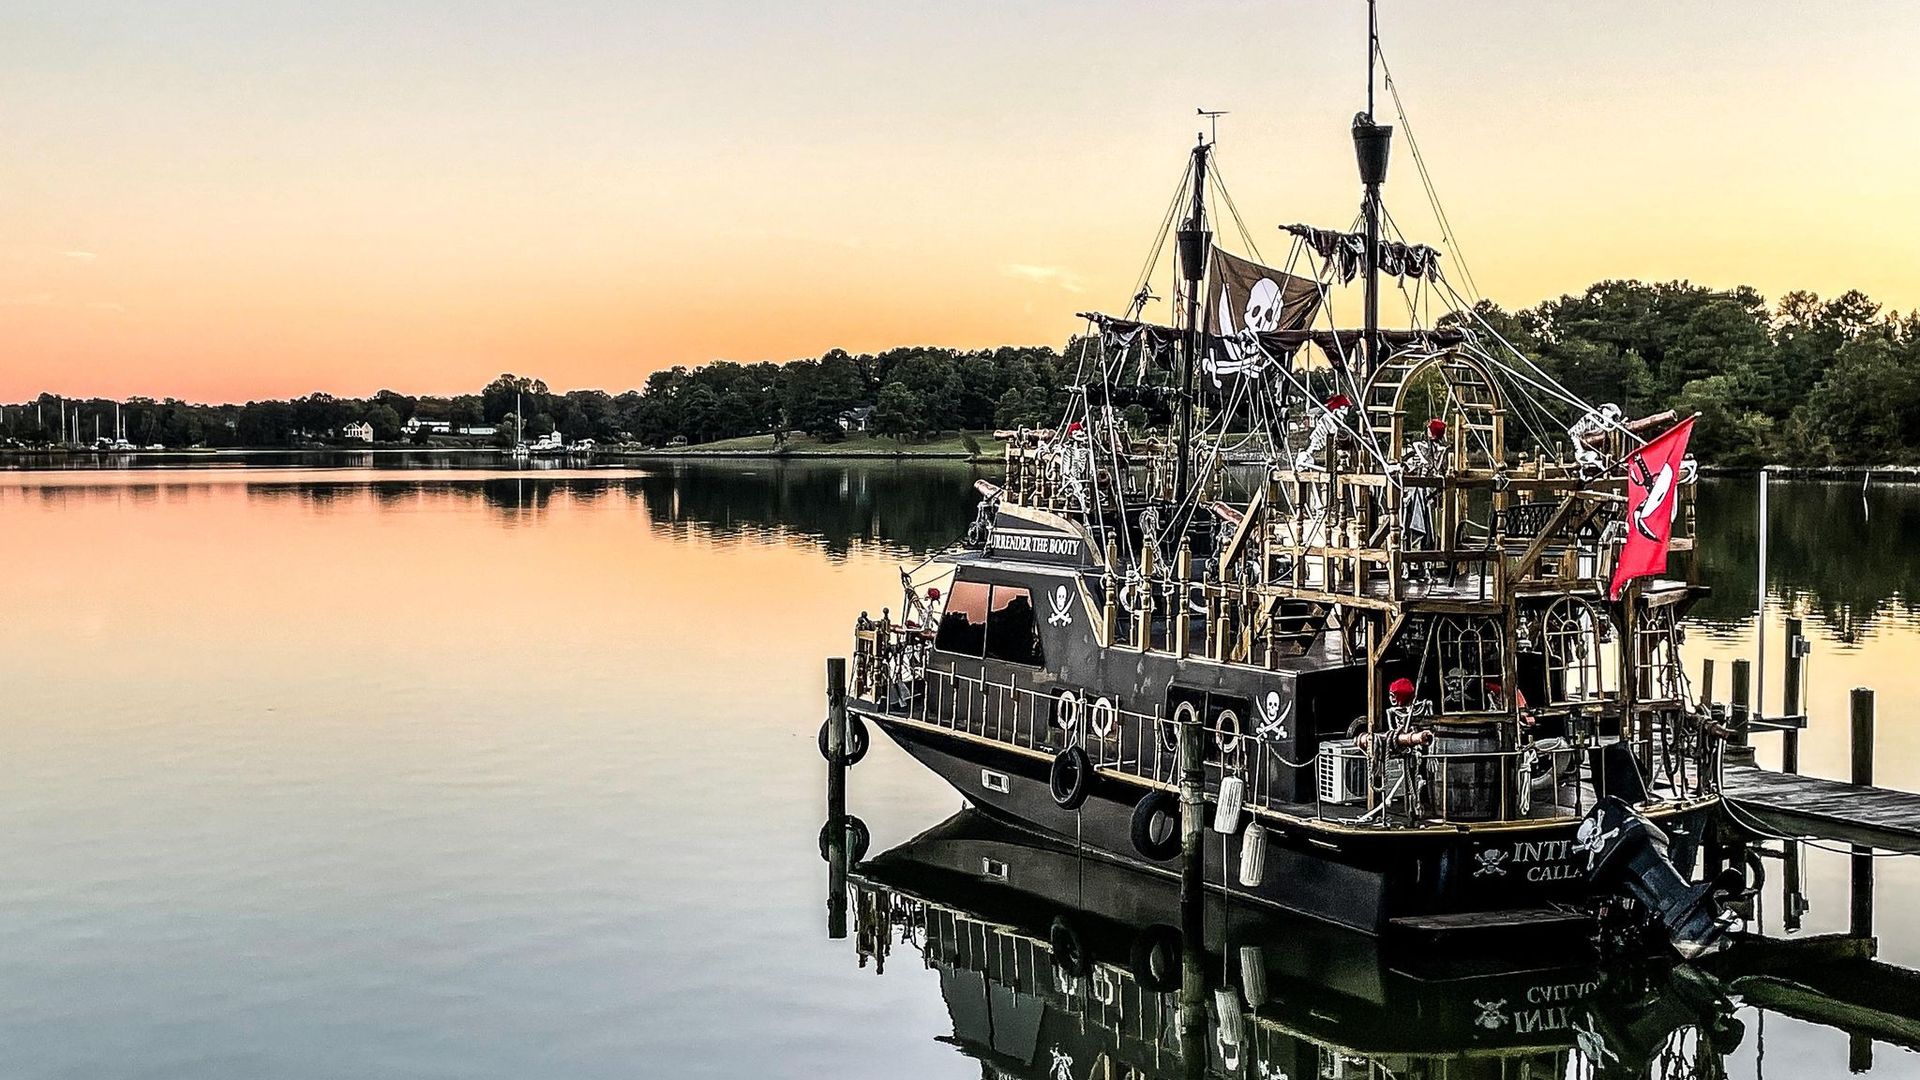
x=1860 y=917
x=1739 y=749
x=1706 y=680
x=1179 y=619
x=1192 y=1014
x=1862 y=737
x=1193 y=807
x=1790 y=703
x=836 y=797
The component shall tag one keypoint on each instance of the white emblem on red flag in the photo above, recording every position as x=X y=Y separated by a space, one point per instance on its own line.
x=1653 y=472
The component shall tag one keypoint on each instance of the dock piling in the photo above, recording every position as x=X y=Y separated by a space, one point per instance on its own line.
x=1860 y=879
x=1740 y=748
x=1791 y=704
x=837 y=797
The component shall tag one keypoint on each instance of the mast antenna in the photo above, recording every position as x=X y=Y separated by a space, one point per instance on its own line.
x=1213 y=119
x=1373 y=48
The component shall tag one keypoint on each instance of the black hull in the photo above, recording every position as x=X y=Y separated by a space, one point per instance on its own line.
x=1044 y=952
x=1412 y=882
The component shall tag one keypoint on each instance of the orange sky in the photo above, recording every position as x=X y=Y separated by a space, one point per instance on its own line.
x=231 y=200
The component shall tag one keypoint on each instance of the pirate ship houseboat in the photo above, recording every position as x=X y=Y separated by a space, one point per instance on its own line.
x=1414 y=594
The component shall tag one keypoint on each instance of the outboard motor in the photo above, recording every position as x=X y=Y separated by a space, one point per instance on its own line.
x=1627 y=854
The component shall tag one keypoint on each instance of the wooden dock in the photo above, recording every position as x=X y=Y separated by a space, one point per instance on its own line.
x=1807 y=806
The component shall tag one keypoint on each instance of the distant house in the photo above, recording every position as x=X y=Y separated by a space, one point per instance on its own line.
x=856 y=419
x=433 y=427
x=360 y=430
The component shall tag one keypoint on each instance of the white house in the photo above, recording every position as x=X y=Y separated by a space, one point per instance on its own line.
x=434 y=427
x=360 y=430
x=857 y=419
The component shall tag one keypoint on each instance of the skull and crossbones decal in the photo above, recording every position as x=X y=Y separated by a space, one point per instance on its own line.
x=1062 y=613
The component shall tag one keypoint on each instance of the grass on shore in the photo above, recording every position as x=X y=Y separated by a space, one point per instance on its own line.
x=851 y=446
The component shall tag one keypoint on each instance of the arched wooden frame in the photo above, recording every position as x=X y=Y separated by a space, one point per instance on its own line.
x=1475 y=411
x=1570 y=638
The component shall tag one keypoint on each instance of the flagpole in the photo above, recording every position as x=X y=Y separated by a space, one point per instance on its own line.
x=1760 y=643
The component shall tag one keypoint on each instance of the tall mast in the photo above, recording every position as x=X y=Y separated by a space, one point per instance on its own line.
x=1371 y=142
x=1194 y=240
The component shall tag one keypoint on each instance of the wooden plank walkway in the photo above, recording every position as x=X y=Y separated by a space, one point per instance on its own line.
x=1826 y=809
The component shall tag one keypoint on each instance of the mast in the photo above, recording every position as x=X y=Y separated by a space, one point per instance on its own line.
x=1194 y=240
x=1371 y=142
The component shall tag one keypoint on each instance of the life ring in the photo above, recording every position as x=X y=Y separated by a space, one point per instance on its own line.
x=1192 y=607
x=1156 y=825
x=856 y=741
x=857 y=837
x=1227 y=721
x=1136 y=597
x=1169 y=728
x=1071 y=778
x=1100 y=718
x=1069 y=953
x=1066 y=710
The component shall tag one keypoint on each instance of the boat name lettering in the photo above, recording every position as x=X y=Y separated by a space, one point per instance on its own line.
x=1036 y=544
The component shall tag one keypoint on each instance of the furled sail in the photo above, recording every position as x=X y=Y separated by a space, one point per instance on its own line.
x=1345 y=254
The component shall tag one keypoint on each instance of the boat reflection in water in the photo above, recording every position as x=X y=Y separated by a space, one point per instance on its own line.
x=1061 y=966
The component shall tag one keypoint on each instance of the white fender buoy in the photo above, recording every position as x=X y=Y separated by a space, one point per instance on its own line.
x=1232 y=1030
x=1226 y=812
x=1253 y=854
x=1253 y=976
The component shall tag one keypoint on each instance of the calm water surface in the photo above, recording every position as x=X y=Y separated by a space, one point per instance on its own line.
x=328 y=772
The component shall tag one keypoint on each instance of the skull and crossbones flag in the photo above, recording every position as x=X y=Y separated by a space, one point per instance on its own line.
x=1245 y=300
x=1653 y=477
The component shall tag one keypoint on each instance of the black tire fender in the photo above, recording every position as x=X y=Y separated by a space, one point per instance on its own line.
x=1071 y=778
x=1069 y=952
x=856 y=741
x=1147 y=813
x=857 y=836
x=1155 y=958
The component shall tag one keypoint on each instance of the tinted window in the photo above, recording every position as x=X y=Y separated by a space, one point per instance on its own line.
x=963 y=627
x=1012 y=633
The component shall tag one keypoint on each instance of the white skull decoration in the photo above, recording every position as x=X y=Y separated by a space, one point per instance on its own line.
x=1264 y=302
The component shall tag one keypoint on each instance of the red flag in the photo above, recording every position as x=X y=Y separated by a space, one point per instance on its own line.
x=1653 y=480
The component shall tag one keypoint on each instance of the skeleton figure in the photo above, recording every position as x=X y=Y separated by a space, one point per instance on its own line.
x=1062 y=1065
x=1588 y=434
x=1428 y=458
x=1328 y=424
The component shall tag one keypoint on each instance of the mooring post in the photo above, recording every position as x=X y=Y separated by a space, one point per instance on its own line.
x=1739 y=749
x=1860 y=920
x=1791 y=704
x=1192 y=1015
x=836 y=797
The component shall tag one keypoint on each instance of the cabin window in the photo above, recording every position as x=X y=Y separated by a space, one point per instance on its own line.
x=1470 y=658
x=1570 y=638
x=1013 y=634
x=963 y=626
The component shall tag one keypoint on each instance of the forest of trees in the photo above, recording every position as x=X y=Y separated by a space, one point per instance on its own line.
x=1805 y=381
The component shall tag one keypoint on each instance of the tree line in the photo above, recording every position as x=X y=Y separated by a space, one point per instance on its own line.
x=1804 y=381
x=906 y=392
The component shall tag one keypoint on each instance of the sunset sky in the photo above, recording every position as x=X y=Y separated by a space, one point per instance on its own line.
x=223 y=201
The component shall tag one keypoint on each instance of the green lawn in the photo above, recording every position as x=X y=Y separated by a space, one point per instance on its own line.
x=851 y=446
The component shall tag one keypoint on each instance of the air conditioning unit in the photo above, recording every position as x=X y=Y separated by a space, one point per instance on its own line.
x=1342 y=767
x=1343 y=772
